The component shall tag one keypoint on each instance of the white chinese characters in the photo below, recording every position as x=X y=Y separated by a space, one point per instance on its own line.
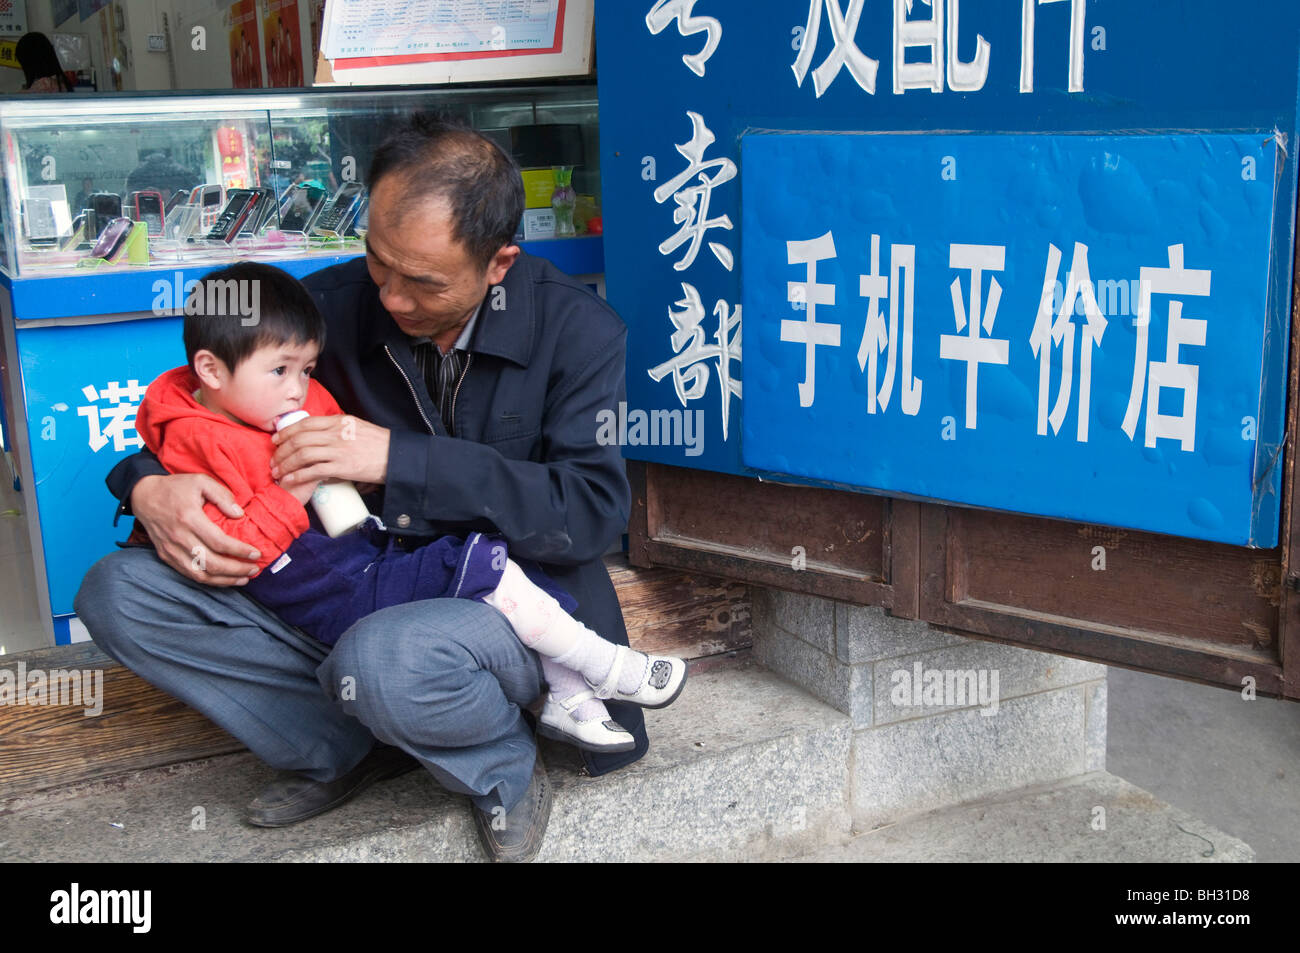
x=1169 y=374
x=970 y=347
x=666 y=11
x=1060 y=333
x=977 y=297
x=116 y=421
x=876 y=337
x=692 y=199
x=689 y=372
x=925 y=54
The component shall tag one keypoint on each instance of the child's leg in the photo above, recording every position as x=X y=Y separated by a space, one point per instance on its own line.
x=547 y=629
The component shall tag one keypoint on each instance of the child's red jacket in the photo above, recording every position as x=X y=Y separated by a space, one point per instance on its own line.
x=189 y=438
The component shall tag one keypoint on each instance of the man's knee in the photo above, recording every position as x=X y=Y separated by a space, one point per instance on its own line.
x=109 y=591
x=425 y=649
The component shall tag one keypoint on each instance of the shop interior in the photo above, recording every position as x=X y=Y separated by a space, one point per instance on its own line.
x=173 y=156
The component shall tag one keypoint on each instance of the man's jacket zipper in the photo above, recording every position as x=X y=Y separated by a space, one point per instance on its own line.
x=414 y=396
x=464 y=372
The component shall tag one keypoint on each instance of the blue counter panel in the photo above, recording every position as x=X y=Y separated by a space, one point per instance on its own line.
x=1064 y=325
x=83 y=385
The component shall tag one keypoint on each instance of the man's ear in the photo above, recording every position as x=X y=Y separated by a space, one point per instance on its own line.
x=501 y=263
x=209 y=369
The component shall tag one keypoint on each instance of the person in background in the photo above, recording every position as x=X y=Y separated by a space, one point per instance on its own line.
x=82 y=199
x=158 y=170
x=40 y=65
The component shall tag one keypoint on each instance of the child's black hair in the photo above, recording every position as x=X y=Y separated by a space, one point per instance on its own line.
x=233 y=311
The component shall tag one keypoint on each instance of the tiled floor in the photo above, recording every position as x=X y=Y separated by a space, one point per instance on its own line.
x=20 y=627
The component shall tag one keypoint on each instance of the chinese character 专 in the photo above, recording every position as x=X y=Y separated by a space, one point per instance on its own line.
x=692 y=212
x=970 y=347
x=666 y=11
x=690 y=377
x=808 y=294
x=120 y=416
x=845 y=52
x=1060 y=333
x=876 y=337
x=1168 y=374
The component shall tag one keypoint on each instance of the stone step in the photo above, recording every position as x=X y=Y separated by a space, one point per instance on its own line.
x=1094 y=818
x=136 y=727
x=743 y=764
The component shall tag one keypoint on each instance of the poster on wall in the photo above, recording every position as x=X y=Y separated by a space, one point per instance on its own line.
x=365 y=33
x=245 y=50
x=88 y=8
x=427 y=41
x=13 y=19
x=62 y=10
x=283 y=43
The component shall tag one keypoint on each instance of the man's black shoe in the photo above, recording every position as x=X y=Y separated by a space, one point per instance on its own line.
x=295 y=798
x=515 y=837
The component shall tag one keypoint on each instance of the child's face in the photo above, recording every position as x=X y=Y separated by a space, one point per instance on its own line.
x=269 y=382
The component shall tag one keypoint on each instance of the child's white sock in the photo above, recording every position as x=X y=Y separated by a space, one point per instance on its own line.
x=548 y=630
x=564 y=683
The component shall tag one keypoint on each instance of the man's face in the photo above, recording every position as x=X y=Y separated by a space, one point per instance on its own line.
x=426 y=279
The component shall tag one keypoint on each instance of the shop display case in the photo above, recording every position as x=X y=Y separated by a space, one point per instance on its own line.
x=112 y=206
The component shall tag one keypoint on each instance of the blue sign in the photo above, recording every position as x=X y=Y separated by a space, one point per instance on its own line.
x=81 y=421
x=1064 y=325
x=687 y=85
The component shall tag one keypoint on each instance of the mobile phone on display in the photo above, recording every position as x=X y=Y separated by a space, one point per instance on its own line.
x=361 y=224
x=298 y=207
x=147 y=207
x=336 y=217
x=262 y=214
x=113 y=238
x=38 y=221
x=179 y=197
x=209 y=198
x=106 y=206
x=239 y=205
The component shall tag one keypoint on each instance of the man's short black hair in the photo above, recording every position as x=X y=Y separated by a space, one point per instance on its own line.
x=443 y=158
x=233 y=311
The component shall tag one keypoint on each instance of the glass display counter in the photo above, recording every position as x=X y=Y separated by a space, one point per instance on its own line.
x=112 y=206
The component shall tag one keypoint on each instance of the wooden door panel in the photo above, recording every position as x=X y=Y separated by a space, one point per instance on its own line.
x=840 y=545
x=1163 y=604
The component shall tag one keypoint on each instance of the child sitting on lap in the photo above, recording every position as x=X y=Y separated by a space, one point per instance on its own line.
x=215 y=416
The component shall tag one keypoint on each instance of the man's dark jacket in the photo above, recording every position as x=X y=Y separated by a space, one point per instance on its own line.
x=546 y=357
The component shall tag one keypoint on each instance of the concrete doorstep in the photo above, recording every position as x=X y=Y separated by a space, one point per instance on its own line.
x=745 y=766
x=742 y=764
x=1095 y=818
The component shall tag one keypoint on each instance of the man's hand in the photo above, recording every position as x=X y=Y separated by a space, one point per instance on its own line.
x=322 y=448
x=171 y=510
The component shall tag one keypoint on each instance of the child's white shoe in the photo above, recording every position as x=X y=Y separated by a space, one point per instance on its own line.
x=559 y=720
x=662 y=679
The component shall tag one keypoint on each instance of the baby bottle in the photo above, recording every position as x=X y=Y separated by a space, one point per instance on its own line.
x=337 y=502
